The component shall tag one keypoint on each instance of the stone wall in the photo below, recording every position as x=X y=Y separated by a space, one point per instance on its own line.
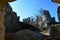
x=58 y=12
x=2 y=21
x=11 y=20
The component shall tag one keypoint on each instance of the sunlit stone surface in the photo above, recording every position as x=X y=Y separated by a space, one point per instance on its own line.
x=2 y=17
x=58 y=4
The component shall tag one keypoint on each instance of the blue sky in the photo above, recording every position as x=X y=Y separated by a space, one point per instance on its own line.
x=27 y=8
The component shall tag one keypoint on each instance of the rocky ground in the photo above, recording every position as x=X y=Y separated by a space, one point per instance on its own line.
x=25 y=35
